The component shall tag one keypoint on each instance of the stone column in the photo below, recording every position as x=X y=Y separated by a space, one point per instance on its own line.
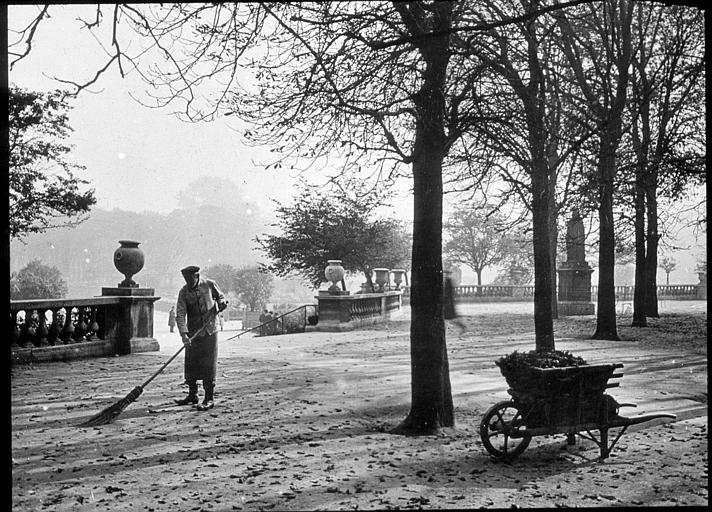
x=130 y=322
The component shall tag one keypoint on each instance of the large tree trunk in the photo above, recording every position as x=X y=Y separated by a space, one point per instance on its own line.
x=651 y=256
x=642 y=146
x=606 y=314
x=553 y=238
x=431 y=402
x=534 y=97
x=431 y=405
x=543 y=323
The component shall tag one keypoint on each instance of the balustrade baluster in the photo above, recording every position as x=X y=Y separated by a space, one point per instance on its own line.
x=32 y=321
x=93 y=333
x=16 y=334
x=25 y=338
x=80 y=329
x=42 y=330
x=54 y=328
x=68 y=329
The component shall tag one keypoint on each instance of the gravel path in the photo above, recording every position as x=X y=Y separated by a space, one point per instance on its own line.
x=302 y=424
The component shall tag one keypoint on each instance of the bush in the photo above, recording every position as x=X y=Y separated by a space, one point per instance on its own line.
x=37 y=281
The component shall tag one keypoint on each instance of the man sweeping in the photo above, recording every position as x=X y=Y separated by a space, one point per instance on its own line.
x=199 y=302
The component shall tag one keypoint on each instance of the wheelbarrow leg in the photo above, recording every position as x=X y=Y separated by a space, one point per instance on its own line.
x=605 y=449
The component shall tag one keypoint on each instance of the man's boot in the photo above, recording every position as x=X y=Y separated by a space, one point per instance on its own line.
x=192 y=397
x=208 y=400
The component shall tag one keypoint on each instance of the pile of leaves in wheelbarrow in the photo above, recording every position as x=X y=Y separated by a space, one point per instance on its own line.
x=552 y=359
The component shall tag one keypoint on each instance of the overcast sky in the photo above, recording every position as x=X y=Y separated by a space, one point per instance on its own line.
x=138 y=158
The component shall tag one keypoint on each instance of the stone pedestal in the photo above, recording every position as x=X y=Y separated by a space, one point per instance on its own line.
x=130 y=322
x=576 y=308
x=574 y=294
x=701 y=292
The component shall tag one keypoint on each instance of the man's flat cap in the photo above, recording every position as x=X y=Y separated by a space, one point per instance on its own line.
x=190 y=269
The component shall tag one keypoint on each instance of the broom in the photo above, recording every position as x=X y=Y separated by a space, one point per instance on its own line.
x=109 y=414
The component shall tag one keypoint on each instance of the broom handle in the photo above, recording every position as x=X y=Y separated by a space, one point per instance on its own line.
x=171 y=359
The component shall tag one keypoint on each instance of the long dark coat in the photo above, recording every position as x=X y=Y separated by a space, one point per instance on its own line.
x=196 y=307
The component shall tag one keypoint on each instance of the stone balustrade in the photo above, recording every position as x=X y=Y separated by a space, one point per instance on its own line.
x=504 y=293
x=64 y=329
x=343 y=312
x=488 y=293
x=665 y=292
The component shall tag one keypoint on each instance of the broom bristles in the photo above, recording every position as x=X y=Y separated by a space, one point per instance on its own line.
x=109 y=414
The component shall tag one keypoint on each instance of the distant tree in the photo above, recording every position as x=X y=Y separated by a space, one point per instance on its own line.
x=42 y=184
x=518 y=265
x=254 y=286
x=478 y=238
x=319 y=227
x=226 y=276
x=668 y=264
x=37 y=281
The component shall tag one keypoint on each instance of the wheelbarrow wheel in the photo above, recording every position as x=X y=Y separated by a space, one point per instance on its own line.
x=500 y=431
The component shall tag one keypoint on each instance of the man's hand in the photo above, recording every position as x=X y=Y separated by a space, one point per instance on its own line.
x=185 y=339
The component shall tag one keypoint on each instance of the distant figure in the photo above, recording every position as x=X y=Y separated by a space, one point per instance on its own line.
x=449 y=312
x=575 y=238
x=276 y=327
x=172 y=318
x=268 y=323
x=272 y=324
x=263 y=320
x=220 y=319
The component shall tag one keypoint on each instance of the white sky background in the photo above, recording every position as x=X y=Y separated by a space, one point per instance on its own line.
x=140 y=158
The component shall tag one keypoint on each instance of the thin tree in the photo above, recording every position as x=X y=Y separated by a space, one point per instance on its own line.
x=667 y=129
x=668 y=264
x=600 y=52
x=477 y=238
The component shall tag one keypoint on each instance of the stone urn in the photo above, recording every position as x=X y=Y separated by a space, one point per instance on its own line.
x=382 y=277
x=334 y=273
x=128 y=259
x=398 y=274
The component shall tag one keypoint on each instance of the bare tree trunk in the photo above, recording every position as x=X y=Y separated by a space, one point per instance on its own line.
x=651 y=256
x=479 y=277
x=641 y=148
x=431 y=402
x=606 y=315
x=554 y=235
x=543 y=323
